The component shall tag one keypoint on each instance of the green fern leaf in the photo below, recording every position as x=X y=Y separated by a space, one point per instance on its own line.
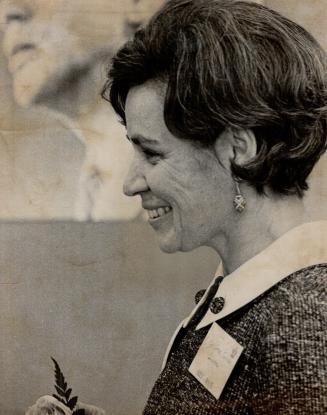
x=67 y=393
x=59 y=376
x=59 y=399
x=60 y=391
x=72 y=402
x=63 y=392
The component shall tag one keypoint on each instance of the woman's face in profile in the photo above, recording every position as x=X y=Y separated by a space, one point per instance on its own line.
x=44 y=40
x=186 y=192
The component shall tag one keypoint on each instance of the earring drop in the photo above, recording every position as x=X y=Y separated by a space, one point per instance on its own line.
x=239 y=201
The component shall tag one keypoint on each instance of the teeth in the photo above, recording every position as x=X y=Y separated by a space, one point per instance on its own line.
x=156 y=213
x=161 y=211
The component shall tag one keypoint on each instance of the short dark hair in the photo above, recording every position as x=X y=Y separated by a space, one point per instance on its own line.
x=234 y=64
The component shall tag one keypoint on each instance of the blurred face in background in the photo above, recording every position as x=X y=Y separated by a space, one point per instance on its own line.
x=51 y=42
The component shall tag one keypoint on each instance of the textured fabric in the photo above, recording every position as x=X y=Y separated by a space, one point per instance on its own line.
x=282 y=369
x=301 y=247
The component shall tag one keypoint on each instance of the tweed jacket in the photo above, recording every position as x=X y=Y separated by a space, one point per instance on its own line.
x=281 y=327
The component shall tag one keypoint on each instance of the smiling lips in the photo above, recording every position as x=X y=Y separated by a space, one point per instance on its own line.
x=156 y=213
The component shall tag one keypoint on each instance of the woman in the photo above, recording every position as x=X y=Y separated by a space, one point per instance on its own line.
x=225 y=105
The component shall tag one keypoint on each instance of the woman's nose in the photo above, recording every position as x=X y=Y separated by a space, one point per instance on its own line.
x=135 y=182
x=15 y=11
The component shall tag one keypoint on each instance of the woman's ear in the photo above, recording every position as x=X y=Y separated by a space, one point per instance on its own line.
x=235 y=144
x=244 y=145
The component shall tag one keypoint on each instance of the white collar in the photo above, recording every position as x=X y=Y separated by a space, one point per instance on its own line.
x=301 y=247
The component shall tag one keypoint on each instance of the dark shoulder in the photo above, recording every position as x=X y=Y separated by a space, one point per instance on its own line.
x=301 y=285
x=299 y=301
x=291 y=363
x=308 y=281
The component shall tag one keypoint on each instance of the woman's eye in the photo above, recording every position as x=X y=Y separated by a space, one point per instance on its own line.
x=152 y=156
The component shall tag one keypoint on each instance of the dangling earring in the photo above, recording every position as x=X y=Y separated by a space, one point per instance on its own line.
x=239 y=201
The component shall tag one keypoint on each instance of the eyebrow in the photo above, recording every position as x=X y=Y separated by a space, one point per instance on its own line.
x=139 y=139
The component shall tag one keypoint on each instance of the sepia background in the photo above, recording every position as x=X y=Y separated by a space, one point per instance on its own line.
x=91 y=289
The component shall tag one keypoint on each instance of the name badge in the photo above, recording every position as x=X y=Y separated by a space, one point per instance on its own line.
x=215 y=360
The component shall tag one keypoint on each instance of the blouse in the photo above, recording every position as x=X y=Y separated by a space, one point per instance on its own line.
x=274 y=308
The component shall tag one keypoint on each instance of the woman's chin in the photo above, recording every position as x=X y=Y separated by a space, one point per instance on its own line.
x=169 y=245
x=172 y=244
x=168 y=248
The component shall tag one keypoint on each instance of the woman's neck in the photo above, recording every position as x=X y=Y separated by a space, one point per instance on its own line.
x=265 y=219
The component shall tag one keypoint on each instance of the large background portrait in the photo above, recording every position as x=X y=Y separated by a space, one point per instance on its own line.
x=62 y=149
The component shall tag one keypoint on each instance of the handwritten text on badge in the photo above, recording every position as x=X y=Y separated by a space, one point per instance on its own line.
x=215 y=360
